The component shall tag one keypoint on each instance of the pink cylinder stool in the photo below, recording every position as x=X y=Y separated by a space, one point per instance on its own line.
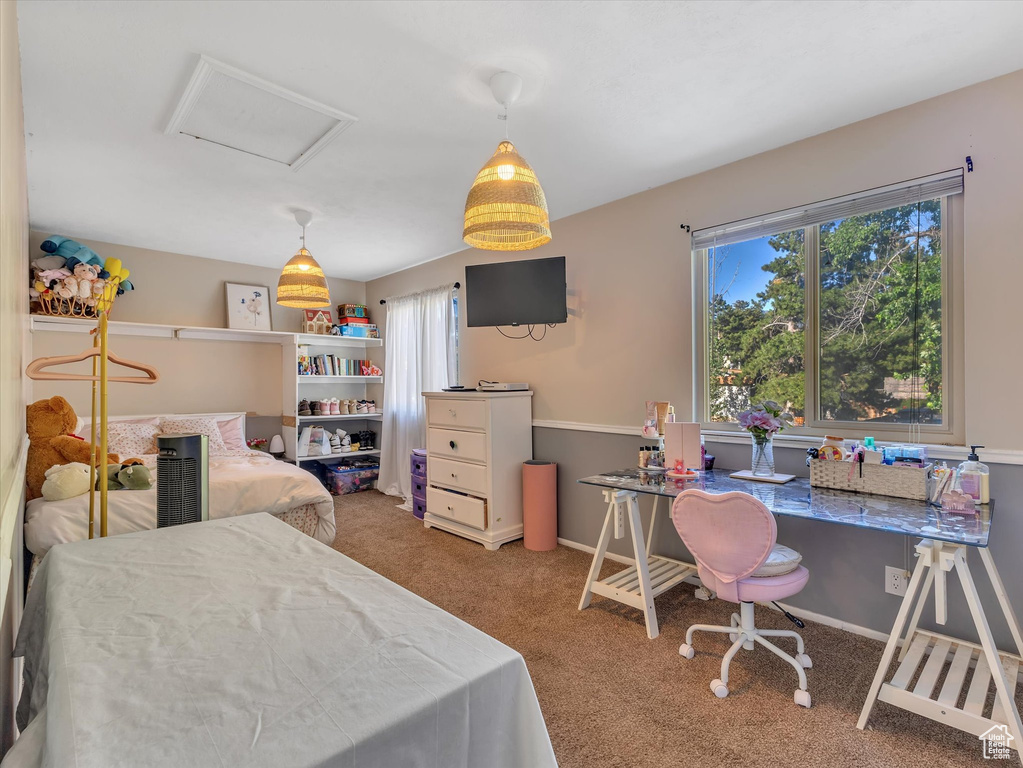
x=540 y=505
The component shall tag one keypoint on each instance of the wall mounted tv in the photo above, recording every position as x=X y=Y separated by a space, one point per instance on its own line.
x=516 y=293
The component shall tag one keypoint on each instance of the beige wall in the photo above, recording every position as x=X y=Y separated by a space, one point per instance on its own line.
x=195 y=376
x=629 y=338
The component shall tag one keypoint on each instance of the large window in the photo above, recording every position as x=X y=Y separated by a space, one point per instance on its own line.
x=841 y=319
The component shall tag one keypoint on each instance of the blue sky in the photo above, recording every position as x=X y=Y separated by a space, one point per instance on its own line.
x=749 y=257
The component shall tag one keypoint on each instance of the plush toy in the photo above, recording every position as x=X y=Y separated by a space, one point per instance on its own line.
x=70 y=249
x=50 y=261
x=135 y=477
x=129 y=475
x=65 y=481
x=50 y=424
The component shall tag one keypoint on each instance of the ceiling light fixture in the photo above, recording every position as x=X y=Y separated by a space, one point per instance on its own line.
x=302 y=282
x=506 y=209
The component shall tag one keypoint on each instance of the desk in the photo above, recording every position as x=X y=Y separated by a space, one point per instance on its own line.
x=944 y=540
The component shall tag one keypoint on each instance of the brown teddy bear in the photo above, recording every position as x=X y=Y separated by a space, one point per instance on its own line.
x=51 y=424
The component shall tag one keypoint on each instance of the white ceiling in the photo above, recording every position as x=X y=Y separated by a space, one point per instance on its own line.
x=618 y=97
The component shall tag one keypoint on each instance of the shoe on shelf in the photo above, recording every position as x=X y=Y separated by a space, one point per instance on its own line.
x=335 y=444
x=335 y=407
x=353 y=407
x=325 y=407
x=303 y=408
x=346 y=441
x=362 y=407
x=343 y=408
x=314 y=407
x=372 y=405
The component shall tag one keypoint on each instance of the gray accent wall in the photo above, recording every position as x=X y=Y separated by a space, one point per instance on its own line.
x=846 y=564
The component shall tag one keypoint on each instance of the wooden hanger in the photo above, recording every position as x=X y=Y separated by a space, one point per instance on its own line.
x=37 y=369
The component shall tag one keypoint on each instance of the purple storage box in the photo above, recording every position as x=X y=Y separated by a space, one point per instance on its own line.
x=418 y=488
x=417 y=463
x=344 y=480
x=418 y=508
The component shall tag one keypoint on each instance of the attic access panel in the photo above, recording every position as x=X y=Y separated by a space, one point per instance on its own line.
x=227 y=106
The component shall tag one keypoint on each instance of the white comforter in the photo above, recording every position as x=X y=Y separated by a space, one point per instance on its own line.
x=246 y=482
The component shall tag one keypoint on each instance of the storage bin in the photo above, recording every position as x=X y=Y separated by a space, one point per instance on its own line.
x=419 y=508
x=418 y=488
x=352 y=310
x=877 y=479
x=418 y=463
x=345 y=480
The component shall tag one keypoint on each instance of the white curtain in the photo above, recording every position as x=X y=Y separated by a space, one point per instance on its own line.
x=419 y=358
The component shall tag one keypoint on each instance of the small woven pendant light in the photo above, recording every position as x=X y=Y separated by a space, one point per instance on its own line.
x=302 y=283
x=506 y=209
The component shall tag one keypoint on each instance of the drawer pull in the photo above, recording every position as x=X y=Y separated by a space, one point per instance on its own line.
x=454 y=475
x=452 y=444
x=452 y=412
x=450 y=510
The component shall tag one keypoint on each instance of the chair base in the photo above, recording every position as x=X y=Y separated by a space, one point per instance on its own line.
x=744 y=634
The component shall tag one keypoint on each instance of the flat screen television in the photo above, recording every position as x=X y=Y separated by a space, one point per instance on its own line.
x=529 y=292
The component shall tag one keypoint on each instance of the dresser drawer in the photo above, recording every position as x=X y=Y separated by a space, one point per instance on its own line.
x=471 y=478
x=461 y=509
x=450 y=443
x=461 y=414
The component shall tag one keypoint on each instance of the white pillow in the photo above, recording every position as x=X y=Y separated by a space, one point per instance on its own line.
x=203 y=425
x=782 y=560
x=231 y=431
x=84 y=428
x=128 y=439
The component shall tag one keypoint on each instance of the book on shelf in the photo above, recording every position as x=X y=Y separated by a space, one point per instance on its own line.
x=331 y=365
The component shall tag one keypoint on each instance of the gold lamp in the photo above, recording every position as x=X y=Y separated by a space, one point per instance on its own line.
x=506 y=209
x=302 y=283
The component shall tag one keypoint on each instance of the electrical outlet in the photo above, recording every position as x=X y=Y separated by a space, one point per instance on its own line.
x=895 y=580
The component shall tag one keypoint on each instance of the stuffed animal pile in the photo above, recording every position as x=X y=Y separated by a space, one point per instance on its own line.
x=74 y=273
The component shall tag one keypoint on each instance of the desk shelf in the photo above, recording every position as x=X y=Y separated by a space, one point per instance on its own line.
x=623 y=586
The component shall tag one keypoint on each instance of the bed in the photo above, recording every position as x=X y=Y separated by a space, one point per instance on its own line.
x=241 y=482
x=195 y=645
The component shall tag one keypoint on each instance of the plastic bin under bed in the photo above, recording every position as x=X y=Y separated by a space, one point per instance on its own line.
x=345 y=480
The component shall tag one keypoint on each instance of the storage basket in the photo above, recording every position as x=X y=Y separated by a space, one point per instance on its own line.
x=345 y=480
x=417 y=463
x=877 y=479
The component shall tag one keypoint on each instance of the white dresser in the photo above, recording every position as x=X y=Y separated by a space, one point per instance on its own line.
x=476 y=443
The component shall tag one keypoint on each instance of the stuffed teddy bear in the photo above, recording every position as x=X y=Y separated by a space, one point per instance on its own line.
x=50 y=425
x=64 y=481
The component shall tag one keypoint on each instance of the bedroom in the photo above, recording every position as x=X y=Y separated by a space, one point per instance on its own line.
x=669 y=139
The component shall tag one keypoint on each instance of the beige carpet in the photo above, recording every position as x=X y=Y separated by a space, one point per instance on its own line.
x=611 y=697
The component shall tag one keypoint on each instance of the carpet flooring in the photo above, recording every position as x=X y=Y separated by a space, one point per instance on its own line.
x=611 y=697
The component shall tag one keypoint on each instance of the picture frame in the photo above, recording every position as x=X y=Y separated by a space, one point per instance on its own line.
x=248 y=307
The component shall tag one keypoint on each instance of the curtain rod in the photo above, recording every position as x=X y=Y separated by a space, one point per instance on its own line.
x=457 y=285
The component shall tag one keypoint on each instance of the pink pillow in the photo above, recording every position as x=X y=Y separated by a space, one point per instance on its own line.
x=231 y=431
x=203 y=425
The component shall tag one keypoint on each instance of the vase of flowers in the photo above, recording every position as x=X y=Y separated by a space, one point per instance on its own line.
x=763 y=422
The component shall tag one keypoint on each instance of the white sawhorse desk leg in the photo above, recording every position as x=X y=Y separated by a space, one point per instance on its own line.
x=935 y=560
x=651 y=575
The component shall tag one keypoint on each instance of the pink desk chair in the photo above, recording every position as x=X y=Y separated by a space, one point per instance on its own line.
x=734 y=540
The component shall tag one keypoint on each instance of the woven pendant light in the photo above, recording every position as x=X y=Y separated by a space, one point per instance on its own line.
x=302 y=283
x=506 y=209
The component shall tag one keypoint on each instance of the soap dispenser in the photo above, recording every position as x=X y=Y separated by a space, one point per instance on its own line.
x=974 y=477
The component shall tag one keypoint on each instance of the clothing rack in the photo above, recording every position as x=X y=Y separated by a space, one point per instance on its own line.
x=101 y=356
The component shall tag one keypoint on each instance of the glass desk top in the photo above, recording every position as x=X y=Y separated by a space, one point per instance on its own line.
x=798 y=499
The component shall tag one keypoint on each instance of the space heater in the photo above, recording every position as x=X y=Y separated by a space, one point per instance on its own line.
x=182 y=479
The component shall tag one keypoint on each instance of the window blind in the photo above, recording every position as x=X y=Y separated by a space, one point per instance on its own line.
x=868 y=201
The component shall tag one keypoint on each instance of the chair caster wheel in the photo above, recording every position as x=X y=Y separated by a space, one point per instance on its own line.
x=804 y=661
x=702 y=594
x=721 y=690
x=802 y=698
x=733 y=637
x=686 y=650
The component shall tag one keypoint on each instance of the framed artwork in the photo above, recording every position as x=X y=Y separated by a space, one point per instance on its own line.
x=248 y=306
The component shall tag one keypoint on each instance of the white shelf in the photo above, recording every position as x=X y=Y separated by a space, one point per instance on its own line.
x=339 y=379
x=338 y=456
x=120 y=328
x=344 y=417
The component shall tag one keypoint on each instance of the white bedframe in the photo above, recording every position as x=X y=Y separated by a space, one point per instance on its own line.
x=12 y=591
